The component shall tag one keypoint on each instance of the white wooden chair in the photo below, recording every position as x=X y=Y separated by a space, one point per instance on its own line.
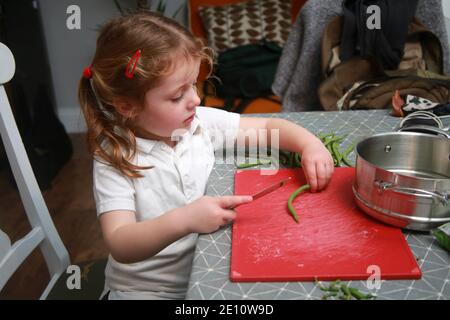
x=43 y=233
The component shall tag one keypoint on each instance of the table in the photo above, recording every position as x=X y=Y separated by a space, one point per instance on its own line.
x=211 y=265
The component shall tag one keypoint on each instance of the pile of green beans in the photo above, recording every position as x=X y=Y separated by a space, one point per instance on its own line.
x=290 y=159
x=340 y=291
x=293 y=159
x=331 y=142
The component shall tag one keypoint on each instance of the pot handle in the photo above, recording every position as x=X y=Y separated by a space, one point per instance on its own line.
x=427 y=129
x=383 y=186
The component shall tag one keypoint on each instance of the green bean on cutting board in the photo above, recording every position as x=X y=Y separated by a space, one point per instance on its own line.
x=292 y=197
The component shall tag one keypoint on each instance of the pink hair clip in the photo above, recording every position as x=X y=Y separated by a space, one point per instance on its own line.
x=131 y=66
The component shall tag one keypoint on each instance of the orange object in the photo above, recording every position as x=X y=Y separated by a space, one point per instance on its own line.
x=195 y=25
x=397 y=104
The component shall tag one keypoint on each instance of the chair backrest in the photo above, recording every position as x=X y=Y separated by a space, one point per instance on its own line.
x=195 y=23
x=43 y=232
x=196 y=26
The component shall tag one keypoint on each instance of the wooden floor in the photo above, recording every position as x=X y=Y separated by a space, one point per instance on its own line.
x=71 y=205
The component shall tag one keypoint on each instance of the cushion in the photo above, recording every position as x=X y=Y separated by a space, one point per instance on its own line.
x=248 y=22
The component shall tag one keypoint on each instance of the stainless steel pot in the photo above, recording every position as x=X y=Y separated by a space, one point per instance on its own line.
x=403 y=179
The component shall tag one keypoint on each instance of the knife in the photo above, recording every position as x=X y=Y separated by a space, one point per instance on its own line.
x=267 y=190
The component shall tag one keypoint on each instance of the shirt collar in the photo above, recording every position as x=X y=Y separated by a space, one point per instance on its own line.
x=147 y=145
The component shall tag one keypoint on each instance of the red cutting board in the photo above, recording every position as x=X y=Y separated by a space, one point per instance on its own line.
x=333 y=240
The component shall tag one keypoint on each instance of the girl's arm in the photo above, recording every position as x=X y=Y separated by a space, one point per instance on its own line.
x=316 y=160
x=131 y=241
x=292 y=136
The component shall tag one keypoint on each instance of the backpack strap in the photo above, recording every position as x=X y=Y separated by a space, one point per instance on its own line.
x=242 y=105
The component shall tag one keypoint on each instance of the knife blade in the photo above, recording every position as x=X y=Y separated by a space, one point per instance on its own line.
x=267 y=190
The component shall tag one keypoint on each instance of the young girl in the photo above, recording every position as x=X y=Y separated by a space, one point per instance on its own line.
x=138 y=91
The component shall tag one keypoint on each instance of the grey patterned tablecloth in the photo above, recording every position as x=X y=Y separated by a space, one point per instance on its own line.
x=211 y=266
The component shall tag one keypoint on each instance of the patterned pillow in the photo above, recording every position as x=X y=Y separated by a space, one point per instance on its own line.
x=248 y=22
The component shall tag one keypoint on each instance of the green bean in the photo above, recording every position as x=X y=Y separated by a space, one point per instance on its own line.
x=297 y=160
x=331 y=141
x=334 y=139
x=334 y=284
x=359 y=295
x=441 y=238
x=347 y=162
x=283 y=157
x=329 y=295
x=346 y=291
x=329 y=288
x=346 y=153
x=248 y=165
x=329 y=148
x=292 y=197
x=337 y=154
x=324 y=136
x=321 y=287
x=291 y=159
x=349 y=149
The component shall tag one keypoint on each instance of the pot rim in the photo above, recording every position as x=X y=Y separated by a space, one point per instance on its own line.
x=397 y=133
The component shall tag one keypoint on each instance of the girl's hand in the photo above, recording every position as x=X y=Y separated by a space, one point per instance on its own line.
x=208 y=214
x=318 y=165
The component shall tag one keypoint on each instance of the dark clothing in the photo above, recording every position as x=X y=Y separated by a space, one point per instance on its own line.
x=386 y=43
x=299 y=72
x=106 y=296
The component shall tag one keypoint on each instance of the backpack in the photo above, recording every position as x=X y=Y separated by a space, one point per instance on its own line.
x=362 y=83
x=246 y=73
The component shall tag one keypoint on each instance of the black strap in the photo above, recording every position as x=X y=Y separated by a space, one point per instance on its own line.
x=229 y=103
x=242 y=105
x=106 y=296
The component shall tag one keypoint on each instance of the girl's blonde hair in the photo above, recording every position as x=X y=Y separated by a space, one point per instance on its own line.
x=162 y=41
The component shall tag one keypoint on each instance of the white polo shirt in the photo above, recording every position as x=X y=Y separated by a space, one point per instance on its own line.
x=179 y=177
